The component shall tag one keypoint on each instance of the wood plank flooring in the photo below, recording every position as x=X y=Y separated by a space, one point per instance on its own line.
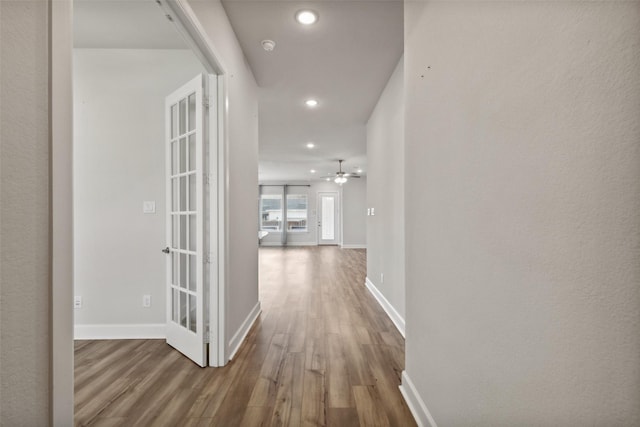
x=323 y=353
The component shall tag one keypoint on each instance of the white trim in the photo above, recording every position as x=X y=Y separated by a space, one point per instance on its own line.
x=241 y=333
x=356 y=246
x=194 y=35
x=120 y=332
x=395 y=317
x=273 y=244
x=61 y=255
x=415 y=403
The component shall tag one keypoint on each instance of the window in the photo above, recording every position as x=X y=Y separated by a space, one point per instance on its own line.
x=271 y=212
x=296 y=212
x=271 y=215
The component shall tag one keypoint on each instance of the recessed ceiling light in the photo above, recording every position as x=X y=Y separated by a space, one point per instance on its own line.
x=312 y=171
x=359 y=171
x=328 y=179
x=306 y=17
x=311 y=103
x=310 y=145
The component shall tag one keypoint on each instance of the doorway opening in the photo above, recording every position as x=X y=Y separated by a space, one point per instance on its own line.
x=128 y=57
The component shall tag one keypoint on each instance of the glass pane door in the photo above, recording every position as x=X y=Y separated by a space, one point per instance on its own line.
x=328 y=219
x=185 y=287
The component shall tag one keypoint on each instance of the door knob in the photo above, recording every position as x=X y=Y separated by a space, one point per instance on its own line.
x=166 y=250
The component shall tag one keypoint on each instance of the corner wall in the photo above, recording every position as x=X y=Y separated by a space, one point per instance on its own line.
x=522 y=199
x=385 y=194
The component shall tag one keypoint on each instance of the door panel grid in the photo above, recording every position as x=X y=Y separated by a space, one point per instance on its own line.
x=185 y=221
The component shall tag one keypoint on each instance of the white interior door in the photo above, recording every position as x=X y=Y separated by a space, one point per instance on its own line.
x=328 y=219
x=185 y=221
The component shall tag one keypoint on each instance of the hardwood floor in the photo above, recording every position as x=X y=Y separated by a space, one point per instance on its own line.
x=323 y=353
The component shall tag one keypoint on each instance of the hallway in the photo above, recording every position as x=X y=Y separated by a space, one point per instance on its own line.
x=322 y=353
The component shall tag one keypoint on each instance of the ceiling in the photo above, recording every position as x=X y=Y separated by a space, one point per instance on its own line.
x=344 y=61
x=123 y=24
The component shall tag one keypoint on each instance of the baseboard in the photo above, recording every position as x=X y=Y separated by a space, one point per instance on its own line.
x=386 y=306
x=415 y=403
x=241 y=334
x=120 y=332
x=354 y=246
x=279 y=244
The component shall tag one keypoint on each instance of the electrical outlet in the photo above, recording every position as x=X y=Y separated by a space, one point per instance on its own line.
x=77 y=301
x=146 y=300
x=381 y=277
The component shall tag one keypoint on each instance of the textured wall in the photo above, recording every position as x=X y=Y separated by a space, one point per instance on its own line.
x=385 y=192
x=25 y=279
x=523 y=194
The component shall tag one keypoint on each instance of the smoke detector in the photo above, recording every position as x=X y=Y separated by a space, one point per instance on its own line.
x=268 y=45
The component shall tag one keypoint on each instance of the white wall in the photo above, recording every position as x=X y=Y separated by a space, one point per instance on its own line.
x=522 y=199
x=119 y=162
x=385 y=193
x=242 y=170
x=354 y=213
x=25 y=276
x=352 y=202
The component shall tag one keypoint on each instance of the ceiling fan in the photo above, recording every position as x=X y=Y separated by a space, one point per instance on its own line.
x=341 y=177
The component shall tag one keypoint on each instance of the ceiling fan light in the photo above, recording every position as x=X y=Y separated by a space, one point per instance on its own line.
x=340 y=180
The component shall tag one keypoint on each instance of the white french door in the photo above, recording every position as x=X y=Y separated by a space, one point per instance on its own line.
x=328 y=218
x=185 y=168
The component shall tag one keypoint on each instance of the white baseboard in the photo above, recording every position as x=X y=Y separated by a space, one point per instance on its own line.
x=241 y=334
x=361 y=246
x=386 y=306
x=120 y=332
x=415 y=403
x=272 y=244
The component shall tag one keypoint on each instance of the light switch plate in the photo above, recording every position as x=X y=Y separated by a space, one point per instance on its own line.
x=149 y=207
x=373 y=211
x=368 y=211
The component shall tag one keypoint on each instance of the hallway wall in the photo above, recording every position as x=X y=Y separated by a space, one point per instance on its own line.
x=25 y=255
x=522 y=198
x=385 y=193
x=241 y=174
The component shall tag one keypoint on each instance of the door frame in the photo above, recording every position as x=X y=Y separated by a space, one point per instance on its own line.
x=196 y=38
x=60 y=103
x=337 y=220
